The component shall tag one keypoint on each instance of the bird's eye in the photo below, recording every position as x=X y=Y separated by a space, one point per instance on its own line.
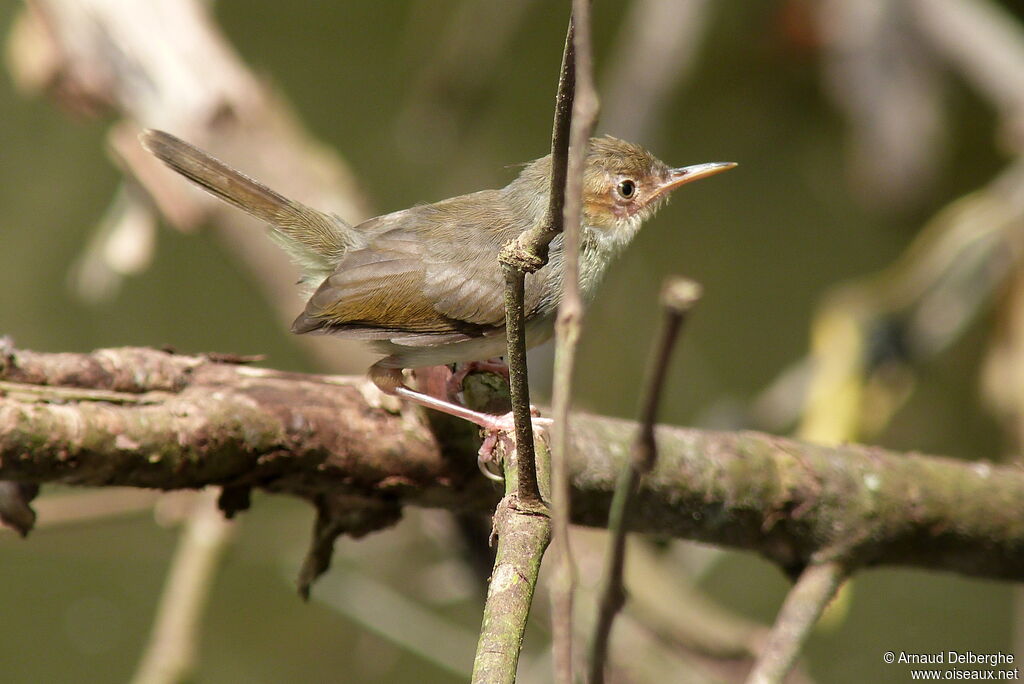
x=626 y=189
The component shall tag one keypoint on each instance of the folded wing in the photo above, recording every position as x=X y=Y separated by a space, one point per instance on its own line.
x=394 y=291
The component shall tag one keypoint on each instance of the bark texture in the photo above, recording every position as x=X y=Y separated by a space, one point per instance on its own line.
x=147 y=418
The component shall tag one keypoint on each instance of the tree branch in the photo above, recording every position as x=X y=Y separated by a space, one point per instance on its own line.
x=522 y=528
x=189 y=421
x=528 y=253
x=522 y=516
x=523 y=535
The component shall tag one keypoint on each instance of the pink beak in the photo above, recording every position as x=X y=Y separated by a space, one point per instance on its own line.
x=688 y=174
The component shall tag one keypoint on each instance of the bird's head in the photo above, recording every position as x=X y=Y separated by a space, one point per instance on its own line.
x=624 y=184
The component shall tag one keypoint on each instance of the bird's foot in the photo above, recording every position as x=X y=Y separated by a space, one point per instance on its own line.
x=502 y=430
x=506 y=421
x=485 y=458
x=497 y=428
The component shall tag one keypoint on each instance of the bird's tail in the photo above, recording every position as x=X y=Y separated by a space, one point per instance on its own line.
x=315 y=240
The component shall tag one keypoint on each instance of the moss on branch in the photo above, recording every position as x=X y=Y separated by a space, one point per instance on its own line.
x=168 y=421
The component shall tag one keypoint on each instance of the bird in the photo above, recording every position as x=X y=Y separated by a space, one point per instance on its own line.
x=423 y=286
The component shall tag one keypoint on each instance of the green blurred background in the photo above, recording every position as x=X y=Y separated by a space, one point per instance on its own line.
x=765 y=240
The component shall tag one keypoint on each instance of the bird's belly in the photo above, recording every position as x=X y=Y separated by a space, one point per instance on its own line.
x=475 y=349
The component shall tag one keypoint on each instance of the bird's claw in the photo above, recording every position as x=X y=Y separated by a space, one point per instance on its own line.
x=506 y=422
x=503 y=428
x=485 y=459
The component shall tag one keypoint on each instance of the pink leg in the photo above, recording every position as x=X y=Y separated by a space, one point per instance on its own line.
x=433 y=380
x=390 y=381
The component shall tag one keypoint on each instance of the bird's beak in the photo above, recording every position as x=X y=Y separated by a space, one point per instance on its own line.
x=688 y=174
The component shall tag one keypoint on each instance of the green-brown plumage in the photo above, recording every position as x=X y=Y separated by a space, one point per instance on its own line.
x=423 y=285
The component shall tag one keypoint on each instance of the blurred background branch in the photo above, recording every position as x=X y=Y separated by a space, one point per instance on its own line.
x=678 y=296
x=864 y=130
x=166 y=65
x=815 y=587
x=174 y=643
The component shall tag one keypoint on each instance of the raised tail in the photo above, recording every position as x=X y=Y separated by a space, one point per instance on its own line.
x=314 y=239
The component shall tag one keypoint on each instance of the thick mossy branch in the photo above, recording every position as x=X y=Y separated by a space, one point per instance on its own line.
x=788 y=500
x=145 y=418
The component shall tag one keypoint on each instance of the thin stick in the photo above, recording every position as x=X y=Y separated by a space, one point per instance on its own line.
x=677 y=298
x=529 y=251
x=567 y=328
x=170 y=654
x=523 y=535
x=521 y=521
x=519 y=387
x=561 y=132
x=527 y=254
x=803 y=606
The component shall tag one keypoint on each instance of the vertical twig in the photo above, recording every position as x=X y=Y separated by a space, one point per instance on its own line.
x=519 y=387
x=803 y=606
x=523 y=535
x=521 y=521
x=561 y=131
x=567 y=328
x=528 y=253
x=677 y=298
x=170 y=653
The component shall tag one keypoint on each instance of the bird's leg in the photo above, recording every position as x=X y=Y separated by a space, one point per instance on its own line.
x=390 y=381
x=434 y=380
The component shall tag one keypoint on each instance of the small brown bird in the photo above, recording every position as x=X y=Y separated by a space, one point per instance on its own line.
x=423 y=286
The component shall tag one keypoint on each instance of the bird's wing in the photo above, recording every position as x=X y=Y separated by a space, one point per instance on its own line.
x=392 y=290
